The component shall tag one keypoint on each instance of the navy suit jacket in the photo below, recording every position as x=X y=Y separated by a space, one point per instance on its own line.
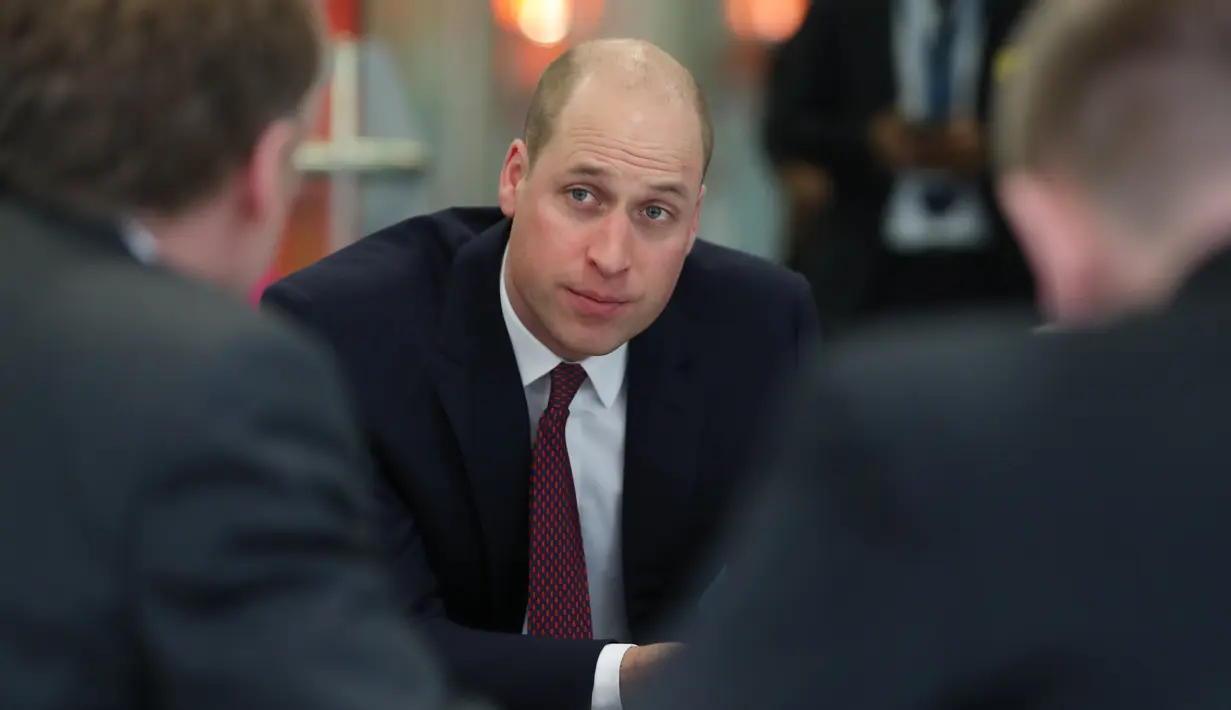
x=414 y=313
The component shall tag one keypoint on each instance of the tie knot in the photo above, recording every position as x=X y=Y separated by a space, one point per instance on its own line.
x=566 y=379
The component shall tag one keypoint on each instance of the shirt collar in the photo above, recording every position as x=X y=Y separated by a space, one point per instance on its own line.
x=535 y=360
x=140 y=243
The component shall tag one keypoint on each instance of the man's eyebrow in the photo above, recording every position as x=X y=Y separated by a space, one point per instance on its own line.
x=671 y=187
x=594 y=170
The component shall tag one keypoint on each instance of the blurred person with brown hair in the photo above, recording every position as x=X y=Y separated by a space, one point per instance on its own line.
x=877 y=122
x=183 y=500
x=975 y=517
x=560 y=391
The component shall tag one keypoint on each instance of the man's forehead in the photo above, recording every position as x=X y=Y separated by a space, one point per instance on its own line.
x=640 y=119
x=592 y=150
x=603 y=89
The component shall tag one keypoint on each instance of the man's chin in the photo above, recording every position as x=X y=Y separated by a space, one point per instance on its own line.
x=591 y=347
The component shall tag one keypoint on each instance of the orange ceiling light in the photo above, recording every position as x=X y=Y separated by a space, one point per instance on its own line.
x=504 y=12
x=765 y=20
x=547 y=23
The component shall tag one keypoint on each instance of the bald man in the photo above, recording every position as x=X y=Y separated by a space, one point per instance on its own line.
x=559 y=392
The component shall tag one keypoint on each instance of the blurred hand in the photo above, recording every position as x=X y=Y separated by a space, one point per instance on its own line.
x=894 y=142
x=808 y=190
x=640 y=661
x=959 y=149
x=806 y=186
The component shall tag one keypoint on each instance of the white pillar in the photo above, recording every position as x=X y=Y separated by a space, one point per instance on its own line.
x=468 y=172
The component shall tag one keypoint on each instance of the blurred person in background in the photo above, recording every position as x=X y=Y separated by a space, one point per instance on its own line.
x=560 y=391
x=876 y=121
x=972 y=517
x=184 y=504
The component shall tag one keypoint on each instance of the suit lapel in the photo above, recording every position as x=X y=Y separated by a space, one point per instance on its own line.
x=662 y=436
x=481 y=393
x=869 y=53
x=875 y=54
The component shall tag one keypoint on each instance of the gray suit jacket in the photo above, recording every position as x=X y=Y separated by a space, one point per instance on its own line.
x=969 y=516
x=183 y=499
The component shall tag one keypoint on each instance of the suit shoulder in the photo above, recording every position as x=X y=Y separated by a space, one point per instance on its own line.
x=409 y=256
x=722 y=271
x=928 y=363
x=115 y=356
x=732 y=300
x=133 y=316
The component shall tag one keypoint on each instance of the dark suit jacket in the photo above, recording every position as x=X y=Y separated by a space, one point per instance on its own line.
x=826 y=85
x=979 y=518
x=183 y=508
x=414 y=312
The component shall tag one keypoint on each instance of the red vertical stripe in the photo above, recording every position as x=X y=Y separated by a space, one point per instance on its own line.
x=344 y=17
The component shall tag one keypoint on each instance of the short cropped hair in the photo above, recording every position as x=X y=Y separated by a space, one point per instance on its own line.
x=147 y=105
x=1130 y=97
x=556 y=86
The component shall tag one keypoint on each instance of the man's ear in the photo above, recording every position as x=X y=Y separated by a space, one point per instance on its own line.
x=1032 y=212
x=270 y=181
x=696 y=220
x=516 y=168
x=1055 y=234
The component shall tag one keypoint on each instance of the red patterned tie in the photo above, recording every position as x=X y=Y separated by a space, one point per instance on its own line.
x=559 y=598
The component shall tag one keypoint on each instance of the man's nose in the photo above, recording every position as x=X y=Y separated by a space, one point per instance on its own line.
x=609 y=249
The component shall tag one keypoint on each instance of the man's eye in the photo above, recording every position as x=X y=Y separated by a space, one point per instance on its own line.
x=655 y=212
x=579 y=194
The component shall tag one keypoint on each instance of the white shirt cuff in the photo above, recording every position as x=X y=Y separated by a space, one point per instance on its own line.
x=607 y=677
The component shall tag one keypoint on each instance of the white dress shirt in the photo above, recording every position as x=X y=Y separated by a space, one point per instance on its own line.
x=595 y=437
x=140 y=243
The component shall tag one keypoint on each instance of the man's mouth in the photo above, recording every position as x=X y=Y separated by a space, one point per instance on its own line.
x=597 y=305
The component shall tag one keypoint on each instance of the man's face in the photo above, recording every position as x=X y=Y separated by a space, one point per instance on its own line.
x=604 y=220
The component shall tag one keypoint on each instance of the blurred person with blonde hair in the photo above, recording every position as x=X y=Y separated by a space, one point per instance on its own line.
x=969 y=516
x=183 y=499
